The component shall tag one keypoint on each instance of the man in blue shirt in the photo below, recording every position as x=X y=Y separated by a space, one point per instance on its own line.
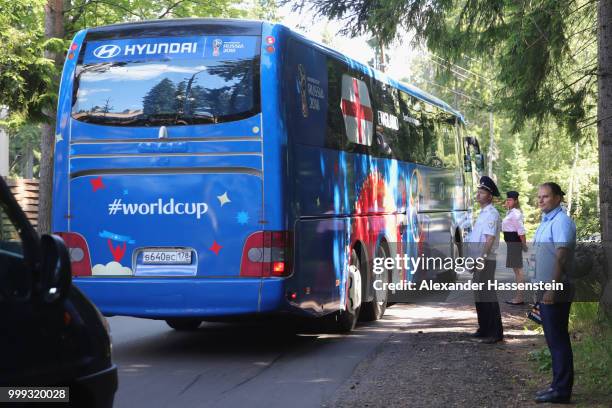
x=554 y=243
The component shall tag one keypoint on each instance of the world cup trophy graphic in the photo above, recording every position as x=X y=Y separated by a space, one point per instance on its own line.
x=217 y=43
x=302 y=88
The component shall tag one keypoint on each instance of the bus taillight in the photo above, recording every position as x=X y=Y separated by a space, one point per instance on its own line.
x=266 y=253
x=79 y=253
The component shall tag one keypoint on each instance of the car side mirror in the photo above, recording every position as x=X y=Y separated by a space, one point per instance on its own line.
x=55 y=270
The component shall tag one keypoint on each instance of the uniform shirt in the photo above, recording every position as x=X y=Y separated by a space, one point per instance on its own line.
x=487 y=223
x=513 y=222
x=557 y=230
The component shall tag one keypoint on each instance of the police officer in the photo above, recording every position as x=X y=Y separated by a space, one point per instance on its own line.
x=554 y=243
x=483 y=241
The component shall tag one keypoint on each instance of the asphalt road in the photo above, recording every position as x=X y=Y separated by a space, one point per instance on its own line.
x=234 y=365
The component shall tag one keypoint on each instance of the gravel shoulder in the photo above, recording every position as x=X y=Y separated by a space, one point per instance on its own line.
x=431 y=361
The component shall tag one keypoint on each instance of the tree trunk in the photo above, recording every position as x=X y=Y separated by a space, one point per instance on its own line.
x=382 y=63
x=604 y=131
x=54 y=27
x=573 y=188
x=27 y=168
x=4 y=146
x=491 y=147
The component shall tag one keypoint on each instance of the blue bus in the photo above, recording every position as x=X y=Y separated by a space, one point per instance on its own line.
x=210 y=169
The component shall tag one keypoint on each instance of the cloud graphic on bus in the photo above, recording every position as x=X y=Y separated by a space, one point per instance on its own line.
x=112 y=268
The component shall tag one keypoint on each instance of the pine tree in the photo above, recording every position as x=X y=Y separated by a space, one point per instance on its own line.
x=516 y=177
x=160 y=99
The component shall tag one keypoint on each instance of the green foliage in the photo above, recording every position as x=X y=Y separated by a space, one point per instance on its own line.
x=263 y=10
x=542 y=359
x=514 y=172
x=468 y=85
x=87 y=13
x=26 y=75
x=543 y=51
x=592 y=348
x=592 y=345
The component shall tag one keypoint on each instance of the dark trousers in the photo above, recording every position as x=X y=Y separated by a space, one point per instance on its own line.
x=487 y=306
x=554 y=321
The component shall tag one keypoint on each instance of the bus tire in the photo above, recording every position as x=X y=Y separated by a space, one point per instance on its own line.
x=375 y=309
x=345 y=320
x=184 y=324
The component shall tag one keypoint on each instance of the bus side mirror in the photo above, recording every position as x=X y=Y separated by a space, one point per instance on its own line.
x=467 y=163
x=479 y=159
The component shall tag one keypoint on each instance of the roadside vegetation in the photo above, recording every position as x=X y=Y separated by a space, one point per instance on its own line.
x=591 y=335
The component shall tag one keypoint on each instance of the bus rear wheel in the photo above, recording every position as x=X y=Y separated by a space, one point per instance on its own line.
x=375 y=309
x=184 y=324
x=347 y=319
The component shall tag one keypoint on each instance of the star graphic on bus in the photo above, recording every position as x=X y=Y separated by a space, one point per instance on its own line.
x=58 y=137
x=97 y=183
x=215 y=248
x=224 y=199
x=242 y=217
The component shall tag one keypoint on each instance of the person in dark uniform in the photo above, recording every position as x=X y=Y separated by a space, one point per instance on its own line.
x=513 y=229
x=554 y=243
x=482 y=242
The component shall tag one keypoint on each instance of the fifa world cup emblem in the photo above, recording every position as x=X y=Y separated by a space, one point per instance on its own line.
x=302 y=88
x=217 y=43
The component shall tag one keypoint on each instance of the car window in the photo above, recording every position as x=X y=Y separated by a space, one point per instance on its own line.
x=9 y=235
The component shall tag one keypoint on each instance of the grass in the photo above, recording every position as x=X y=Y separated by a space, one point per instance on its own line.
x=592 y=347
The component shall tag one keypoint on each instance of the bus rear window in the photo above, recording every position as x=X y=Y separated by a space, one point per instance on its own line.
x=167 y=81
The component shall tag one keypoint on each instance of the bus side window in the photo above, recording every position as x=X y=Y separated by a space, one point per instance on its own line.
x=420 y=153
x=449 y=146
x=335 y=136
x=430 y=130
x=386 y=141
x=340 y=70
x=408 y=124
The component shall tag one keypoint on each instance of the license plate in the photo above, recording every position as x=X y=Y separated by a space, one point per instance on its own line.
x=167 y=257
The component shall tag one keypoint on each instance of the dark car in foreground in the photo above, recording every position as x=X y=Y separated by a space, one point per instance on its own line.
x=51 y=335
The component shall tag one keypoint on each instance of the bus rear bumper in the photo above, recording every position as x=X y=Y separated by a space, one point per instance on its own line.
x=160 y=298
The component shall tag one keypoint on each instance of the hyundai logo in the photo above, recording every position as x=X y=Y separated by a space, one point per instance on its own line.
x=107 y=51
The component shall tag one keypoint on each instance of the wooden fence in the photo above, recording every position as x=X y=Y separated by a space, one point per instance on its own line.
x=26 y=193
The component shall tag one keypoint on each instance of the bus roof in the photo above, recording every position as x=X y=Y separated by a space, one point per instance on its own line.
x=179 y=26
x=253 y=27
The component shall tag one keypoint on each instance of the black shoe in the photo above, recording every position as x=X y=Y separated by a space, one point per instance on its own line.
x=491 y=340
x=554 y=397
x=477 y=334
x=541 y=392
